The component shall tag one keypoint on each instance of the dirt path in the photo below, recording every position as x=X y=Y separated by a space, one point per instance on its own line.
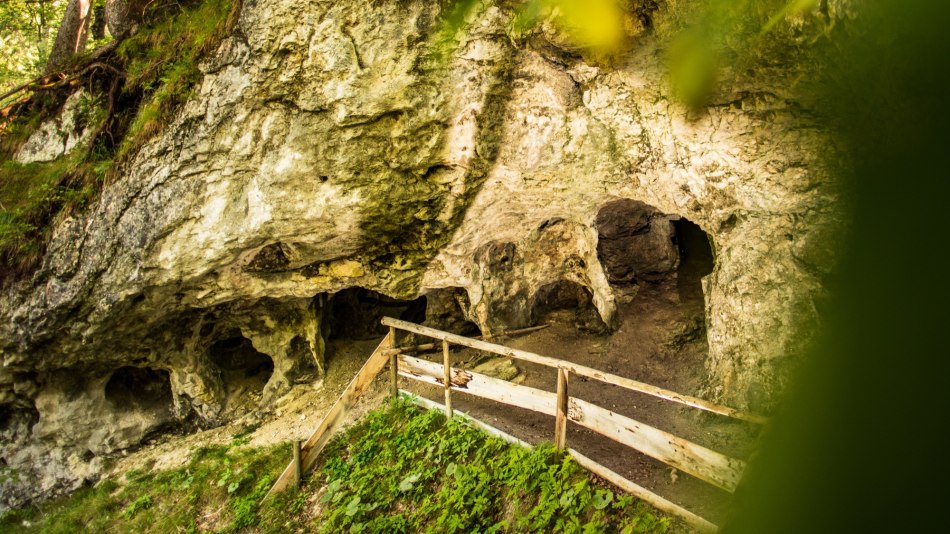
x=661 y=341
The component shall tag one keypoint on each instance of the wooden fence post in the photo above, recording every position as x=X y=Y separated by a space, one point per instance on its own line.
x=560 y=420
x=298 y=468
x=393 y=367
x=447 y=377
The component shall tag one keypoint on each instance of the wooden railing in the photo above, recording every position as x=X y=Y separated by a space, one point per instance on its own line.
x=701 y=462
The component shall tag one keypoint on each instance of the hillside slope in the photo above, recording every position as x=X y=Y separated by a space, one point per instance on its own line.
x=398 y=469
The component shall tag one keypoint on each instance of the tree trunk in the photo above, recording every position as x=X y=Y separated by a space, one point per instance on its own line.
x=71 y=36
x=99 y=22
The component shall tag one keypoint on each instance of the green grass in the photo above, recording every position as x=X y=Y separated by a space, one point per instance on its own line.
x=398 y=470
x=220 y=489
x=31 y=196
x=402 y=470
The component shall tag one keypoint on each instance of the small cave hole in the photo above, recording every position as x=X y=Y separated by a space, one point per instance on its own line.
x=445 y=310
x=549 y=223
x=305 y=368
x=696 y=258
x=567 y=301
x=243 y=368
x=140 y=389
x=355 y=313
x=17 y=420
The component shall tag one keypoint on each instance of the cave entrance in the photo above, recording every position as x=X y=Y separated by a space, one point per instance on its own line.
x=243 y=368
x=655 y=263
x=445 y=310
x=141 y=389
x=355 y=313
x=636 y=242
x=696 y=258
x=566 y=300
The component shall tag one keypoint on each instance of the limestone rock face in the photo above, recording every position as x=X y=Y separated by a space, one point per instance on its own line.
x=59 y=136
x=335 y=145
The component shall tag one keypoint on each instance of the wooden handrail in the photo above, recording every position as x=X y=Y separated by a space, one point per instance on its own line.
x=689 y=457
x=431 y=346
x=581 y=370
x=333 y=420
x=701 y=462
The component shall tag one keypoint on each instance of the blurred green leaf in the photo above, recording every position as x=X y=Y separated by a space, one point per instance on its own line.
x=693 y=66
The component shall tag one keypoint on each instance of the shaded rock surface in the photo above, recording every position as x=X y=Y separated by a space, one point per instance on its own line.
x=328 y=148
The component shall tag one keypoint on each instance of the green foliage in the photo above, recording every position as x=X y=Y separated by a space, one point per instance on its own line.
x=398 y=470
x=30 y=196
x=402 y=470
x=161 y=62
x=750 y=38
x=29 y=27
x=219 y=489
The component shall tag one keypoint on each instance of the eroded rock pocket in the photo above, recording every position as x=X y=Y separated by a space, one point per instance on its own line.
x=141 y=389
x=355 y=313
x=571 y=300
x=244 y=370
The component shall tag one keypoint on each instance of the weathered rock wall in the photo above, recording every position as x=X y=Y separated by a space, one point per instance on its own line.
x=328 y=147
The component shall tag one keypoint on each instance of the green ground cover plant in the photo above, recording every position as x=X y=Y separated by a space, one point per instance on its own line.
x=399 y=469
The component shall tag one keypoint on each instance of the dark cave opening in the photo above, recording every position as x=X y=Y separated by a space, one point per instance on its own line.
x=696 y=258
x=571 y=297
x=12 y=417
x=355 y=313
x=636 y=242
x=445 y=311
x=243 y=368
x=140 y=389
x=305 y=368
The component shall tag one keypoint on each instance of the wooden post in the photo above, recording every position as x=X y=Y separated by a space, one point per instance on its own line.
x=298 y=468
x=333 y=420
x=447 y=378
x=560 y=419
x=393 y=367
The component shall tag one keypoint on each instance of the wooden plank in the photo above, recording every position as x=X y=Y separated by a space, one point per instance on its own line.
x=560 y=418
x=582 y=370
x=617 y=480
x=333 y=420
x=703 y=463
x=478 y=385
x=447 y=377
x=393 y=367
x=644 y=494
x=430 y=346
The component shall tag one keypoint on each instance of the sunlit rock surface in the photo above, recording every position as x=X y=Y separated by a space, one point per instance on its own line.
x=329 y=147
x=58 y=136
